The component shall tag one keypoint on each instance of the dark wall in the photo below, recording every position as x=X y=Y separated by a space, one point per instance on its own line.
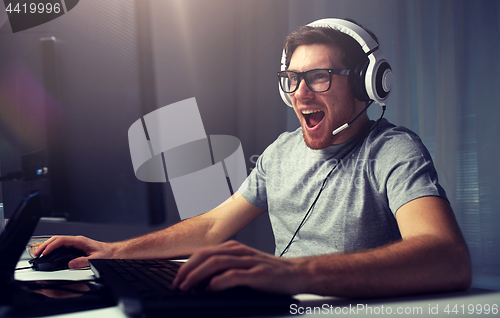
x=77 y=109
x=118 y=60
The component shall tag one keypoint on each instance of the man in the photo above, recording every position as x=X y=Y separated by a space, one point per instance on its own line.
x=359 y=213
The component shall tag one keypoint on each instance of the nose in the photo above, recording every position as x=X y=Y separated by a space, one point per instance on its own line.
x=303 y=92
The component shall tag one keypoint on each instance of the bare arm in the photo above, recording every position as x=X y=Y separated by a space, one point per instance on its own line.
x=431 y=257
x=189 y=235
x=180 y=239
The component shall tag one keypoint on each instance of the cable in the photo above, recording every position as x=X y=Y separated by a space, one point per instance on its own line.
x=324 y=183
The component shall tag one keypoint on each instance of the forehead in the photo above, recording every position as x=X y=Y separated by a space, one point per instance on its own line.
x=306 y=57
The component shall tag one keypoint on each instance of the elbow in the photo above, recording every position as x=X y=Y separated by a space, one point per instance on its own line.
x=452 y=269
x=466 y=276
x=461 y=268
x=467 y=281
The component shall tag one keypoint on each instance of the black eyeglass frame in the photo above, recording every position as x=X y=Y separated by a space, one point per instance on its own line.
x=302 y=75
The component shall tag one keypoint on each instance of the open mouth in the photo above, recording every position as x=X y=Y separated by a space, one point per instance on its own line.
x=313 y=117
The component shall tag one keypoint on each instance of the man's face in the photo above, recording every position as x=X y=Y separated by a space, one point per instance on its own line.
x=321 y=113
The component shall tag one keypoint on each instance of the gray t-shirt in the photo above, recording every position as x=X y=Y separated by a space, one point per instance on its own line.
x=374 y=176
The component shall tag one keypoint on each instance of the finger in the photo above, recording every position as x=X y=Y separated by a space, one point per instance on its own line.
x=228 y=248
x=60 y=241
x=47 y=246
x=215 y=265
x=42 y=246
x=79 y=262
x=258 y=277
x=232 y=278
x=57 y=242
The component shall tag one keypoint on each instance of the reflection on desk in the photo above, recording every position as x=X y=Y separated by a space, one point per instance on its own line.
x=39 y=293
x=110 y=312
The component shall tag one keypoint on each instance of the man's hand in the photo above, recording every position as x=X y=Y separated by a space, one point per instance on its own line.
x=93 y=249
x=233 y=264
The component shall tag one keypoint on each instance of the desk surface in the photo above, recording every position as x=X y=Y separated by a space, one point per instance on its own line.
x=470 y=303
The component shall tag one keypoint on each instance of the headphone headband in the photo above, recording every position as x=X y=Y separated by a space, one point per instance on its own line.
x=353 y=30
x=372 y=81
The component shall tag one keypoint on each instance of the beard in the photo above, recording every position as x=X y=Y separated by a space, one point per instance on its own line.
x=325 y=138
x=315 y=143
x=338 y=110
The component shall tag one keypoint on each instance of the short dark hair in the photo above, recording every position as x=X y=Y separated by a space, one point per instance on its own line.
x=352 y=53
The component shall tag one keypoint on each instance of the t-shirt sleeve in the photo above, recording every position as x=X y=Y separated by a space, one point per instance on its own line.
x=254 y=187
x=408 y=172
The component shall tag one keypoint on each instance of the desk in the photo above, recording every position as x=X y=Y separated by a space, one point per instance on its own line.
x=455 y=304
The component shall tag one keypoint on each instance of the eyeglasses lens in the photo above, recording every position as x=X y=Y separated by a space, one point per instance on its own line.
x=317 y=80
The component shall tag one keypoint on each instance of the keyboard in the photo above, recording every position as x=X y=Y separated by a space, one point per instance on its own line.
x=144 y=287
x=152 y=278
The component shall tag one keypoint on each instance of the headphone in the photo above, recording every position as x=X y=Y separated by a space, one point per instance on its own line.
x=371 y=81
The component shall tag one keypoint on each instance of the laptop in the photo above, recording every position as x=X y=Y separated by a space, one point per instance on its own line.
x=28 y=299
x=16 y=235
x=144 y=288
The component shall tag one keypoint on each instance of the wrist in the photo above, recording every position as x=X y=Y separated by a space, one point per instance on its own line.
x=320 y=275
x=304 y=275
x=115 y=250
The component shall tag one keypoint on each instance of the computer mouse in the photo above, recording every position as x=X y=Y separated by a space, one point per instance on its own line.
x=58 y=259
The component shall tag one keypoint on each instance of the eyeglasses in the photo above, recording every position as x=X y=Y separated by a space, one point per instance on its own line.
x=318 y=80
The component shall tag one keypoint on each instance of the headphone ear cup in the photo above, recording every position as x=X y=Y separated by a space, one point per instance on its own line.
x=357 y=82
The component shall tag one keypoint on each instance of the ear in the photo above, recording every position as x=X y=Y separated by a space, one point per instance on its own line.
x=357 y=82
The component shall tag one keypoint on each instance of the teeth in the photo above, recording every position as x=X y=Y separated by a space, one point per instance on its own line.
x=309 y=112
